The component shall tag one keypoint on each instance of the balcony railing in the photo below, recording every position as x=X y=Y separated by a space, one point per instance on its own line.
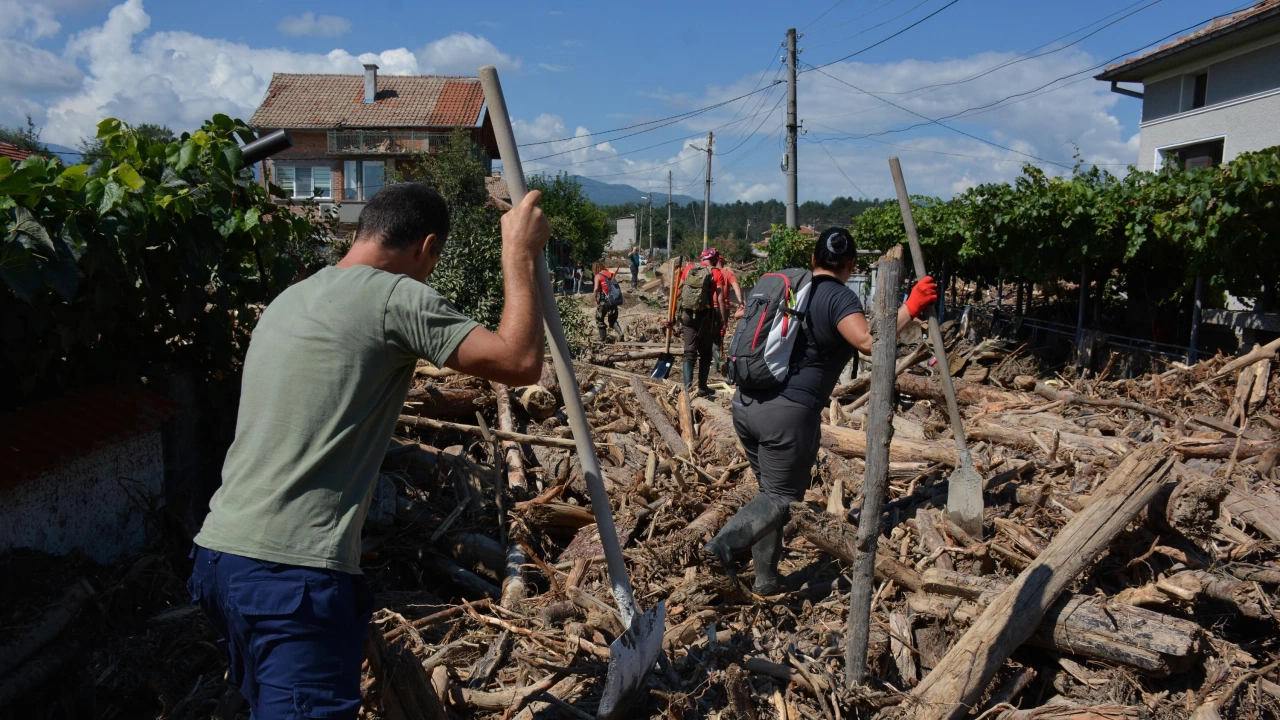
x=390 y=142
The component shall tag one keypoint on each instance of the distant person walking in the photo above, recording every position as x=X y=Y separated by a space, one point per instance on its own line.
x=577 y=279
x=733 y=296
x=634 y=257
x=702 y=313
x=608 y=296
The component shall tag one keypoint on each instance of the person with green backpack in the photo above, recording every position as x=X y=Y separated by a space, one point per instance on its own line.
x=703 y=310
x=608 y=296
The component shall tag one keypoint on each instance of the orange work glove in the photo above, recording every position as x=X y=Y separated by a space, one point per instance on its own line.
x=924 y=294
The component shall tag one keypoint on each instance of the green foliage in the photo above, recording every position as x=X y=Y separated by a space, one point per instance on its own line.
x=92 y=149
x=26 y=138
x=1152 y=231
x=152 y=260
x=575 y=220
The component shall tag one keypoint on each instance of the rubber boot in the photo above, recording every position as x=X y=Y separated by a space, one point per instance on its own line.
x=601 y=331
x=704 y=373
x=756 y=519
x=618 y=328
x=688 y=373
x=765 y=554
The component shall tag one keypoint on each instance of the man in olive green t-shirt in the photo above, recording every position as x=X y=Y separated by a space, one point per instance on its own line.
x=277 y=562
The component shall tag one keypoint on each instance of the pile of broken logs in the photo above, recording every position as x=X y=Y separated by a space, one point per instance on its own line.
x=1126 y=567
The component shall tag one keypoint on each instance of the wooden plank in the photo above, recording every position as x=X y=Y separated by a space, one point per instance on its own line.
x=675 y=443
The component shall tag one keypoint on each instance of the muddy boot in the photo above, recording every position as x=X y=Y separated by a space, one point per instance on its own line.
x=618 y=329
x=756 y=519
x=688 y=373
x=600 y=330
x=765 y=554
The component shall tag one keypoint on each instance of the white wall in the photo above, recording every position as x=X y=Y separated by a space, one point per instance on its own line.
x=625 y=238
x=96 y=504
x=1246 y=124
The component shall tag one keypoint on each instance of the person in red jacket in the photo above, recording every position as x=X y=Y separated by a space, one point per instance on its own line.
x=780 y=427
x=701 y=317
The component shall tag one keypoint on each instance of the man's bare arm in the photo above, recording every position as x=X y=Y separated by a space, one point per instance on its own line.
x=513 y=355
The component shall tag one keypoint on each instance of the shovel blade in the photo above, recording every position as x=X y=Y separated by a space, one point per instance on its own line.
x=663 y=368
x=964 y=500
x=631 y=657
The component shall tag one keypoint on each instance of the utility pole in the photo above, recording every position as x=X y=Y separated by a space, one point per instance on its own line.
x=668 y=214
x=792 y=126
x=650 y=225
x=706 y=208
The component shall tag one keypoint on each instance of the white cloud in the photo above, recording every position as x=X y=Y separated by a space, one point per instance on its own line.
x=120 y=68
x=553 y=68
x=463 y=54
x=28 y=18
x=310 y=24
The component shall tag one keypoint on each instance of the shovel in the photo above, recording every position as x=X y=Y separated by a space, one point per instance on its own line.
x=633 y=653
x=964 y=487
x=666 y=359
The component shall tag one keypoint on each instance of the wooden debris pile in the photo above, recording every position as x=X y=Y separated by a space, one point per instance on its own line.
x=1127 y=566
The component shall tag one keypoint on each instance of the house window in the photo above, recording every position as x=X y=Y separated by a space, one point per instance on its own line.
x=1199 y=155
x=1198 y=93
x=304 y=182
x=362 y=179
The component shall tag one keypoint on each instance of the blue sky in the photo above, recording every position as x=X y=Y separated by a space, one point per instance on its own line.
x=576 y=68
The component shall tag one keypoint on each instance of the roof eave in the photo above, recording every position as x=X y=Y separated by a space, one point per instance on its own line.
x=1134 y=70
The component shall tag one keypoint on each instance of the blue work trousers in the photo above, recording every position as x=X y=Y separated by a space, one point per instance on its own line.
x=294 y=635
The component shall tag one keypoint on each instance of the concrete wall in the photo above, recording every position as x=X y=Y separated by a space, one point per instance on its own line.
x=96 y=504
x=625 y=238
x=1245 y=124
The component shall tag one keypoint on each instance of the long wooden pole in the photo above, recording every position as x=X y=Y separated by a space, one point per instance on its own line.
x=562 y=360
x=875 y=480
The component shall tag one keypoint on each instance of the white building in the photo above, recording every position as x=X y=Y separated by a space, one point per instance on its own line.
x=625 y=238
x=1211 y=95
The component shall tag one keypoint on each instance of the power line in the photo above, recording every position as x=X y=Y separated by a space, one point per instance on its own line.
x=664 y=120
x=873 y=27
x=846 y=177
x=852 y=19
x=943 y=125
x=824 y=14
x=885 y=40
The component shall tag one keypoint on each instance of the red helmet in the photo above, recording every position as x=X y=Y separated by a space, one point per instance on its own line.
x=711 y=255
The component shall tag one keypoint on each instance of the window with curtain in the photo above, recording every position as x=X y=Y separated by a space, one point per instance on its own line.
x=305 y=182
x=362 y=179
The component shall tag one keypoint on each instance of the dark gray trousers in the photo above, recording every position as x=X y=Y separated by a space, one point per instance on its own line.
x=781 y=438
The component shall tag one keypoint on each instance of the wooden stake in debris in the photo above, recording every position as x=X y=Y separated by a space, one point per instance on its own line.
x=879 y=428
x=957 y=682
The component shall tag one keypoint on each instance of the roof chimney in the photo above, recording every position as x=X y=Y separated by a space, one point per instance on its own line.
x=370 y=82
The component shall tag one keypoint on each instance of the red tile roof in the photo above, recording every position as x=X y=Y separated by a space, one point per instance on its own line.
x=13 y=152
x=1217 y=27
x=300 y=101
x=51 y=434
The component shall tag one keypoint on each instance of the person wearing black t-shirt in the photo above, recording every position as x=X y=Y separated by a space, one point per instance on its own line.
x=780 y=428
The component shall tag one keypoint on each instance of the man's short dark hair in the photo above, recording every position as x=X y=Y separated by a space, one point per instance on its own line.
x=403 y=214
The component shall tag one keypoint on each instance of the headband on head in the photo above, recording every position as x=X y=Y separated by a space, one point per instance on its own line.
x=837 y=243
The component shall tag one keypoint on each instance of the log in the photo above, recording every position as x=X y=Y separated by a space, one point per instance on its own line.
x=405 y=687
x=1259 y=508
x=513 y=585
x=853 y=443
x=503 y=699
x=675 y=443
x=858 y=385
x=1220 y=449
x=447 y=403
x=686 y=420
x=1257 y=354
x=958 y=681
x=1078 y=712
x=875 y=480
x=465 y=579
x=476 y=549
x=512 y=453
x=538 y=401
x=1152 y=642
x=635 y=355
x=556 y=517
x=35 y=671
x=967 y=393
x=474 y=431
x=28 y=640
x=1049 y=393
x=587 y=368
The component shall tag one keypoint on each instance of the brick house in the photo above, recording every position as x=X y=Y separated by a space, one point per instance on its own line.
x=13 y=152
x=348 y=130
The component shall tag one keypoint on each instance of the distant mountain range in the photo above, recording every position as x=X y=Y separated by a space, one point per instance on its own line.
x=602 y=193
x=69 y=156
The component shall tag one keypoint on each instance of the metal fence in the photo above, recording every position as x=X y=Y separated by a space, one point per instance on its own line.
x=386 y=141
x=1125 y=342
